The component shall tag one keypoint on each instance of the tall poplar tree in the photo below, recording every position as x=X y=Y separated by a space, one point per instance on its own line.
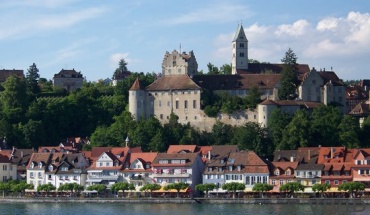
x=289 y=77
x=32 y=78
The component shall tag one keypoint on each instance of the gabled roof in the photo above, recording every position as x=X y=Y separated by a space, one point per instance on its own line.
x=179 y=148
x=188 y=157
x=39 y=157
x=173 y=82
x=233 y=82
x=331 y=155
x=331 y=77
x=256 y=68
x=68 y=73
x=360 y=109
x=310 y=167
x=136 y=85
x=285 y=155
x=6 y=73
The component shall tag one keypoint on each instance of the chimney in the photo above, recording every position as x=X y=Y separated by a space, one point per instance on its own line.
x=291 y=158
x=209 y=155
x=21 y=153
x=127 y=141
x=309 y=154
x=331 y=152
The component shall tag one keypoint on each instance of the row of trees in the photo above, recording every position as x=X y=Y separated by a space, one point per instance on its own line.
x=17 y=187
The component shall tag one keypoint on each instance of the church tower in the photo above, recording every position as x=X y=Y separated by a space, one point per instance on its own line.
x=240 y=51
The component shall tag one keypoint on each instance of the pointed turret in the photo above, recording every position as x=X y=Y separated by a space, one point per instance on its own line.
x=240 y=51
x=136 y=85
x=137 y=100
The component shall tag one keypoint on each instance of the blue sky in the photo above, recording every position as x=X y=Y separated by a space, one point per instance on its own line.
x=92 y=36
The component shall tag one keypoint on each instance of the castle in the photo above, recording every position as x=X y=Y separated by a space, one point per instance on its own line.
x=179 y=89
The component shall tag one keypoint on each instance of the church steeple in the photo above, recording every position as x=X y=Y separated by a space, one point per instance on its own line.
x=240 y=51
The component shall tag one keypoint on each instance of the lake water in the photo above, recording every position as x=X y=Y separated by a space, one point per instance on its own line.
x=172 y=209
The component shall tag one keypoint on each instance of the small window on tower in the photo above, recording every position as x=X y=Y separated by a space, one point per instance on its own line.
x=241 y=45
x=241 y=54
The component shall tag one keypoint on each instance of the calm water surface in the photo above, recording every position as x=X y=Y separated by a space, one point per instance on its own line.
x=170 y=209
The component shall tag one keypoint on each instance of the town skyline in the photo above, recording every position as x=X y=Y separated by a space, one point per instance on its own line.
x=87 y=37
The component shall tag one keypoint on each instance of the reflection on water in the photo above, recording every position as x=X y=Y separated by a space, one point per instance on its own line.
x=173 y=209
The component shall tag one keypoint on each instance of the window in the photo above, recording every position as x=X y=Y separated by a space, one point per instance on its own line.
x=4 y=178
x=288 y=172
x=31 y=174
x=281 y=181
x=160 y=103
x=4 y=168
x=273 y=181
x=39 y=175
x=313 y=181
x=277 y=172
x=107 y=164
x=344 y=181
x=177 y=105
x=336 y=182
x=168 y=103
x=194 y=104
x=327 y=181
x=186 y=104
x=241 y=54
x=51 y=168
x=100 y=164
x=241 y=45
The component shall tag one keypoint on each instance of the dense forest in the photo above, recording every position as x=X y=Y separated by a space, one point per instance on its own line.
x=33 y=114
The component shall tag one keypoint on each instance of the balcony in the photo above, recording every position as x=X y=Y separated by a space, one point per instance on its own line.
x=171 y=175
x=103 y=177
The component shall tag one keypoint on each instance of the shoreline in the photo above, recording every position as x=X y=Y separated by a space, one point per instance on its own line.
x=309 y=201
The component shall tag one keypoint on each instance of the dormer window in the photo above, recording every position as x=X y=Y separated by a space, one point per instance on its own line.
x=32 y=165
x=51 y=168
x=64 y=168
x=116 y=163
x=288 y=172
x=147 y=166
x=219 y=169
x=239 y=168
x=40 y=165
x=209 y=169
x=277 y=172
x=230 y=168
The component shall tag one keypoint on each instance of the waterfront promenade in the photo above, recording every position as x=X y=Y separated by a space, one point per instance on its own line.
x=310 y=201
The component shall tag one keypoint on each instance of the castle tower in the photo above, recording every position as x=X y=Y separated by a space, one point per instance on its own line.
x=240 y=51
x=136 y=100
x=176 y=63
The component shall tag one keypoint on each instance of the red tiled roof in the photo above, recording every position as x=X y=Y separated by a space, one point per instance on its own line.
x=136 y=85
x=178 y=148
x=173 y=82
x=189 y=157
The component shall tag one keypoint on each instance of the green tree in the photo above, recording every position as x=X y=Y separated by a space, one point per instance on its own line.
x=221 y=134
x=122 y=66
x=46 y=187
x=365 y=133
x=4 y=187
x=296 y=133
x=233 y=187
x=252 y=136
x=292 y=187
x=225 y=69
x=352 y=188
x=325 y=121
x=14 y=95
x=32 y=78
x=253 y=98
x=321 y=188
x=122 y=186
x=349 y=132
x=71 y=187
x=177 y=186
x=205 y=188
x=212 y=69
x=276 y=124
x=19 y=186
x=262 y=188
x=150 y=188
x=289 y=77
x=100 y=188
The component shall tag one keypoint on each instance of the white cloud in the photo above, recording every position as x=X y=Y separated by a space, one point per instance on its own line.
x=298 y=28
x=221 y=12
x=327 y=24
